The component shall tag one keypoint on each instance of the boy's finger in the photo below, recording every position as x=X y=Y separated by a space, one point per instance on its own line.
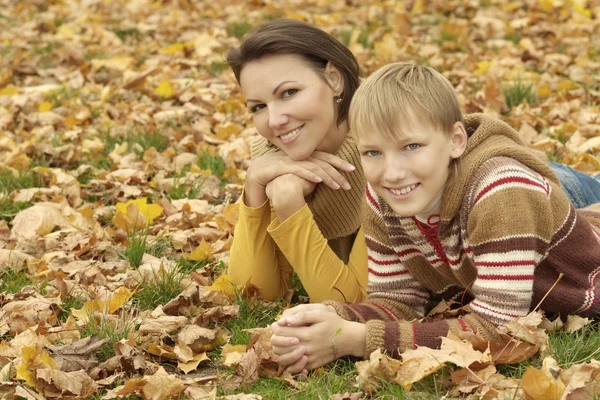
x=298 y=366
x=310 y=317
x=292 y=357
x=283 y=341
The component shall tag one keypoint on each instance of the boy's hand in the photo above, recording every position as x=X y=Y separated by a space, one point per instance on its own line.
x=322 y=336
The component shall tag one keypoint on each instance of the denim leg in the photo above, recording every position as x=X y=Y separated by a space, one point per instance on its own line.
x=582 y=189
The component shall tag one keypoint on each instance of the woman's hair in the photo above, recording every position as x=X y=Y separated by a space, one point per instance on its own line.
x=399 y=95
x=316 y=47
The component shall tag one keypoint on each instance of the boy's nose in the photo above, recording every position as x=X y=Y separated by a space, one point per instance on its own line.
x=395 y=172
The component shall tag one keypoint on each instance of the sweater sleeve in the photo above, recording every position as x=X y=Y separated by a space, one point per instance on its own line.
x=254 y=257
x=324 y=275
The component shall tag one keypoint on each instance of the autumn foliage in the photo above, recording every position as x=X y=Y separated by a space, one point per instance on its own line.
x=123 y=149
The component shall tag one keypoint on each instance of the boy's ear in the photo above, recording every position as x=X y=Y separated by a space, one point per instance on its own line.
x=459 y=140
x=334 y=77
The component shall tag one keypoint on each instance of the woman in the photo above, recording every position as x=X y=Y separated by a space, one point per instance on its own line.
x=300 y=210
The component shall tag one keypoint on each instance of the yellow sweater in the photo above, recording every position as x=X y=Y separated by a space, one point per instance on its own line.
x=323 y=242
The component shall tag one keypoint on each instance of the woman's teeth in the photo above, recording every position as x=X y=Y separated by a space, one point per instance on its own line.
x=404 y=190
x=290 y=135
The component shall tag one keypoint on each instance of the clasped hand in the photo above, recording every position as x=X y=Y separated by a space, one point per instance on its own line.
x=309 y=336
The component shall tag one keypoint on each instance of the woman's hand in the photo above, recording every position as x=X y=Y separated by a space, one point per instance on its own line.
x=313 y=338
x=320 y=167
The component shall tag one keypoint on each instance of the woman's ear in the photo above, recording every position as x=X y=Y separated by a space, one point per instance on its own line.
x=335 y=78
x=459 y=140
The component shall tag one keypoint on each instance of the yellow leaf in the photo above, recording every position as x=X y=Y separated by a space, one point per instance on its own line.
x=547 y=6
x=45 y=106
x=48 y=360
x=544 y=91
x=175 y=48
x=202 y=252
x=537 y=385
x=71 y=122
x=8 y=91
x=483 y=67
x=162 y=351
x=23 y=374
x=149 y=211
x=418 y=7
x=165 y=89
x=192 y=365
x=386 y=49
x=566 y=84
x=224 y=285
x=226 y=131
x=581 y=10
x=119 y=297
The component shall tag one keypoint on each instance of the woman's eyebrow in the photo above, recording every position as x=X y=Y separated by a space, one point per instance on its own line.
x=274 y=91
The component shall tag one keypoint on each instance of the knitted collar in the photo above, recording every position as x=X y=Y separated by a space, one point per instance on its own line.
x=336 y=212
x=488 y=137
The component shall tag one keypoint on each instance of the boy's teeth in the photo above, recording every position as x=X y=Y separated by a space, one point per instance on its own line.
x=291 y=134
x=403 y=190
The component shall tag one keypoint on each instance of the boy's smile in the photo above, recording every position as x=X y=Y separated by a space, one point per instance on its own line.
x=409 y=173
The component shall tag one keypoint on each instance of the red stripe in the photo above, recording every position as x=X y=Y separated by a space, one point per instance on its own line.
x=495 y=277
x=407 y=252
x=391 y=273
x=511 y=179
x=414 y=331
x=493 y=311
x=383 y=262
x=463 y=326
x=386 y=311
x=513 y=263
x=372 y=199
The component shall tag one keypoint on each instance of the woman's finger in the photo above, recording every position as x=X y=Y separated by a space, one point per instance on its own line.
x=332 y=172
x=333 y=160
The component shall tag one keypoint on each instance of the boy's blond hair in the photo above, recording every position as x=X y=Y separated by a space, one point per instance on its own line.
x=399 y=95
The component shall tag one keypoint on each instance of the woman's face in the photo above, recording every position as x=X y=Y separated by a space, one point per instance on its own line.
x=292 y=105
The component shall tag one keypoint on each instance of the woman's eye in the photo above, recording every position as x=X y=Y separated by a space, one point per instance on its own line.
x=257 y=108
x=413 y=146
x=289 y=93
x=372 y=153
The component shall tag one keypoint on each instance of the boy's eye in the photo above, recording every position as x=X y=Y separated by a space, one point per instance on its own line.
x=371 y=153
x=257 y=108
x=289 y=93
x=413 y=146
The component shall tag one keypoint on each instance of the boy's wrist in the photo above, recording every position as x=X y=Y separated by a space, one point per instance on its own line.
x=355 y=339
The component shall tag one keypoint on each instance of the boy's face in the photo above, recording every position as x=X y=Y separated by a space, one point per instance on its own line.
x=410 y=172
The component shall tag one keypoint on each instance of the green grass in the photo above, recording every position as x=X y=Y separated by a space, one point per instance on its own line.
x=188 y=266
x=165 y=286
x=158 y=246
x=12 y=280
x=238 y=28
x=137 y=142
x=136 y=247
x=519 y=92
x=11 y=181
x=114 y=330
x=214 y=162
x=69 y=303
x=576 y=347
x=183 y=189
x=9 y=208
x=253 y=313
x=123 y=34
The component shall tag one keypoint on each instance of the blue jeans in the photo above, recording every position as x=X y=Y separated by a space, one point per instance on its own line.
x=582 y=189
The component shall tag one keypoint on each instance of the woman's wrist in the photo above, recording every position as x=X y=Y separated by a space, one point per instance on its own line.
x=287 y=203
x=254 y=194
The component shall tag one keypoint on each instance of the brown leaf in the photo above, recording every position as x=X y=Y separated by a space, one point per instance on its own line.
x=55 y=383
x=162 y=386
x=77 y=355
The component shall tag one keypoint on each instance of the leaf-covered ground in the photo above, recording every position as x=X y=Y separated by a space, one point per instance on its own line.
x=124 y=141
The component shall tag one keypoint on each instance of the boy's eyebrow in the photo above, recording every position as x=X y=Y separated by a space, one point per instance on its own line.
x=274 y=91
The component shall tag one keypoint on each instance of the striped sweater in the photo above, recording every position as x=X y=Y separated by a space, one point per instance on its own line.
x=506 y=232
